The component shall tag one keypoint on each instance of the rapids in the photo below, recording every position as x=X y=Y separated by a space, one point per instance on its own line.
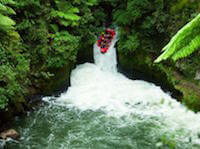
x=102 y=109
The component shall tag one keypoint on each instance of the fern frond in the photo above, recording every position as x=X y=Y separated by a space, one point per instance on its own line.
x=187 y=50
x=2 y=7
x=181 y=40
x=5 y=2
x=64 y=23
x=91 y=2
x=6 y=10
x=73 y=10
x=10 y=11
x=68 y=16
x=6 y=21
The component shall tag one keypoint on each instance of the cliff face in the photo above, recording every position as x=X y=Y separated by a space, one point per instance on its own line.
x=182 y=85
x=144 y=33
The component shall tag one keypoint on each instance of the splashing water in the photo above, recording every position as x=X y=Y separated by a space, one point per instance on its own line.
x=108 y=61
x=98 y=86
x=104 y=109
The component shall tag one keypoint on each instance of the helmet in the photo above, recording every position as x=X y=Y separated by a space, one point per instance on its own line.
x=108 y=30
x=112 y=31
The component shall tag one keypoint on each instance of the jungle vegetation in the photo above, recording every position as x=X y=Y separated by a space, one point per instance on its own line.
x=37 y=36
x=184 y=43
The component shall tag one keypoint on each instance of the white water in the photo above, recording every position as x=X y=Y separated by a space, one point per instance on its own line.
x=100 y=87
x=107 y=61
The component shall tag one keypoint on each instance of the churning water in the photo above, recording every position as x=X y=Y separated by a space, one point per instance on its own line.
x=102 y=109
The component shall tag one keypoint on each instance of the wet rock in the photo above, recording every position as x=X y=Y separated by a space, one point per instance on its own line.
x=197 y=76
x=10 y=133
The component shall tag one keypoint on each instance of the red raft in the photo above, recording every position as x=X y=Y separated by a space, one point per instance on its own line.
x=105 y=40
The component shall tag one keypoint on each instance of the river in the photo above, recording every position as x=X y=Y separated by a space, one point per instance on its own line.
x=103 y=109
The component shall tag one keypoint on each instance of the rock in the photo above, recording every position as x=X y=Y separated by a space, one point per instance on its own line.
x=197 y=76
x=10 y=133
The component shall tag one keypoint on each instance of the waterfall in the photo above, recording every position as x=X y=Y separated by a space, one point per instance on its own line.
x=107 y=61
x=99 y=87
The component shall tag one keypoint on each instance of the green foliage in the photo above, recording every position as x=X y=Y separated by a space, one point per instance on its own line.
x=145 y=25
x=65 y=48
x=184 y=43
x=130 y=11
x=187 y=50
x=13 y=71
x=66 y=13
x=131 y=44
x=139 y=22
x=46 y=37
x=6 y=23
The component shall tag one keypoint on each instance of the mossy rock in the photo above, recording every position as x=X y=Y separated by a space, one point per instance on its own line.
x=14 y=108
x=184 y=89
x=142 y=63
x=85 y=54
x=190 y=90
x=59 y=82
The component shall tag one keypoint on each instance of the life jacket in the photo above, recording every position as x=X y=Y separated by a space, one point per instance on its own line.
x=101 y=38
x=104 y=50
x=110 y=31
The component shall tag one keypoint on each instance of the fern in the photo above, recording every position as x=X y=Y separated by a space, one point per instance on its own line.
x=6 y=23
x=66 y=13
x=5 y=9
x=2 y=8
x=185 y=42
x=5 y=2
x=92 y=2
x=67 y=16
x=187 y=50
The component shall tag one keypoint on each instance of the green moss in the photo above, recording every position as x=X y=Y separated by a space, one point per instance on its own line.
x=60 y=78
x=191 y=95
x=143 y=36
x=192 y=100
x=143 y=62
x=185 y=88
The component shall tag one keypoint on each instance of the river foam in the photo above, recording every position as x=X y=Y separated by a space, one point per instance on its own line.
x=100 y=87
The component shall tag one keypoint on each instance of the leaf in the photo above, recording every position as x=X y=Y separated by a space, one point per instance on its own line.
x=185 y=37
x=65 y=23
x=54 y=27
x=63 y=5
x=72 y=17
x=91 y=2
x=6 y=10
x=6 y=21
x=73 y=10
x=189 y=49
x=2 y=7
x=10 y=11
x=7 y=2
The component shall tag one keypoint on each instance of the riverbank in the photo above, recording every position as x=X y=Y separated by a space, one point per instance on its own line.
x=182 y=85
